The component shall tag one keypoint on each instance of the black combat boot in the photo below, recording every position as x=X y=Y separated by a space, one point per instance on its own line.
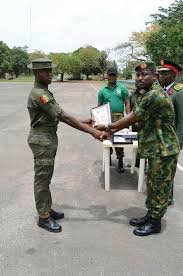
x=139 y=221
x=49 y=224
x=170 y=202
x=152 y=226
x=120 y=165
x=55 y=215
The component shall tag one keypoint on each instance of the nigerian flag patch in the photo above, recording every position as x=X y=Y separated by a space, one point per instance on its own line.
x=44 y=99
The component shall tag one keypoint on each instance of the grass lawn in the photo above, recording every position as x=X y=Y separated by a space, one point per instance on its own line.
x=20 y=79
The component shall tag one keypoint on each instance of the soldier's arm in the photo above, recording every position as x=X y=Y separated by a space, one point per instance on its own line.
x=125 y=122
x=75 y=123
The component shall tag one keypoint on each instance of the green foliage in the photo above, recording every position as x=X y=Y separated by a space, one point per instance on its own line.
x=127 y=73
x=90 y=60
x=62 y=62
x=19 y=60
x=112 y=63
x=85 y=60
x=36 y=54
x=75 y=65
x=103 y=62
x=167 y=42
x=5 y=59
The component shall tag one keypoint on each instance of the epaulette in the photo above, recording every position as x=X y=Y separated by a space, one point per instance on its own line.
x=178 y=86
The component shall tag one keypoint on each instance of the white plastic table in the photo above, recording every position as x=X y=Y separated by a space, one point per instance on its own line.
x=107 y=144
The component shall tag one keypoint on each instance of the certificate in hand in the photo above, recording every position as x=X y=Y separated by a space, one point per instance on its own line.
x=101 y=115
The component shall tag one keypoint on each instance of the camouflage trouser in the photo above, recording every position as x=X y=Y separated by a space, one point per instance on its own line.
x=44 y=148
x=161 y=172
x=172 y=191
x=119 y=151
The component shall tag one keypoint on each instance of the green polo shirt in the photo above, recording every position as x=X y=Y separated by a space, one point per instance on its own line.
x=114 y=96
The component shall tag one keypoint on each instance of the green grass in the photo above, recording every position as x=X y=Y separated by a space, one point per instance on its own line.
x=22 y=79
x=19 y=79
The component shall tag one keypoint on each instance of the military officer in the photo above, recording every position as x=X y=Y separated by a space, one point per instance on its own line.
x=157 y=142
x=45 y=114
x=168 y=73
x=116 y=94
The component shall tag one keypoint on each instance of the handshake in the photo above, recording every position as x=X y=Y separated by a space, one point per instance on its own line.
x=99 y=131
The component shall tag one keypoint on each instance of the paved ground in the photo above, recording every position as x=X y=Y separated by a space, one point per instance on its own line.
x=96 y=238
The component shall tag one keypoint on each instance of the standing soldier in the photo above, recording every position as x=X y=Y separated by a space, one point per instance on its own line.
x=45 y=114
x=157 y=142
x=168 y=72
x=116 y=95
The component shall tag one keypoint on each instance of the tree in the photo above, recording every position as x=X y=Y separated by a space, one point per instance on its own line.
x=102 y=62
x=5 y=59
x=37 y=54
x=62 y=62
x=19 y=60
x=127 y=73
x=90 y=60
x=76 y=65
x=167 y=41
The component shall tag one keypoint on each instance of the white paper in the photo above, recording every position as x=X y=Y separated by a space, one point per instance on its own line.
x=101 y=115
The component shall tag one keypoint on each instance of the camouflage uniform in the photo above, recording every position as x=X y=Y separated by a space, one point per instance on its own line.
x=43 y=142
x=134 y=98
x=159 y=144
x=176 y=94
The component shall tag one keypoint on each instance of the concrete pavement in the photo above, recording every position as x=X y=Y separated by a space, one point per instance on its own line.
x=96 y=239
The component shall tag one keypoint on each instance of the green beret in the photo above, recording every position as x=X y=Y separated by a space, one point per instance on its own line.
x=41 y=63
x=145 y=65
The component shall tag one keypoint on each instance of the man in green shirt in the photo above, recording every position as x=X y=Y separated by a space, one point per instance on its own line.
x=116 y=94
x=168 y=73
x=158 y=143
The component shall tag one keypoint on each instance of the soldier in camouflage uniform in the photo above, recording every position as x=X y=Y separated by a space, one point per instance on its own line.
x=45 y=114
x=168 y=73
x=157 y=142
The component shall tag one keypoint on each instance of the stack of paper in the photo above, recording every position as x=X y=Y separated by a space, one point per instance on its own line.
x=124 y=136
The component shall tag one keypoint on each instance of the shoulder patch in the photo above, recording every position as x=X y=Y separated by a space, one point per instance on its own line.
x=178 y=86
x=44 y=99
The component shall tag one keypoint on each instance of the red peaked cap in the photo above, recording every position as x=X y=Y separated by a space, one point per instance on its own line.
x=171 y=66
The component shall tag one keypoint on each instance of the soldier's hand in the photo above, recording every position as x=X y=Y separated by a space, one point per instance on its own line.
x=88 y=122
x=100 y=135
x=100 y=127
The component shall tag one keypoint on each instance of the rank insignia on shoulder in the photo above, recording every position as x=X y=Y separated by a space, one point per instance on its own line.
x=178 y=86
x=44 y=99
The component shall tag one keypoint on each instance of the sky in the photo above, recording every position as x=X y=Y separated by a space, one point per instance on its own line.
x=65 y=25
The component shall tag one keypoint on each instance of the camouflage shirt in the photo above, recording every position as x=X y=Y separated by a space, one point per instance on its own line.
x=42 y=107
x=135 y=96
x=176 y=94
x=157 y=137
